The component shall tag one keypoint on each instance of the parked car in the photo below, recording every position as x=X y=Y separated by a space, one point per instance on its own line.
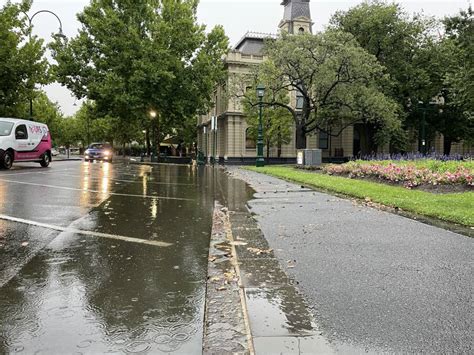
x=24 y=141
x=99 y=151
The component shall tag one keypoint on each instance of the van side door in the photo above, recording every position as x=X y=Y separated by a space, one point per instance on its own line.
x=22 y=142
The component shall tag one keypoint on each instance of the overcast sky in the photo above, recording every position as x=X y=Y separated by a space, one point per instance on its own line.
x=237 y=17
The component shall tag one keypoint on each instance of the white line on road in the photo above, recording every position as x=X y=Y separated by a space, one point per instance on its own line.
x=96 y=191
x=152 y=182
x=85 y=233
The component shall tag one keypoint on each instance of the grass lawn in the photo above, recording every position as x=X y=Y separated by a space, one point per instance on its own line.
x=457 y=207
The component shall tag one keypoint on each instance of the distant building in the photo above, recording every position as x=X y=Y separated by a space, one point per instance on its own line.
x=232 y=145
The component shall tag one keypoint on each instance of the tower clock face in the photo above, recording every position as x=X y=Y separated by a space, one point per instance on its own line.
x=301 y=30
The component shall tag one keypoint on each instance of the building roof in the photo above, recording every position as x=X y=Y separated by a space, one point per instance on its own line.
x=252 y=43
x=295 y=9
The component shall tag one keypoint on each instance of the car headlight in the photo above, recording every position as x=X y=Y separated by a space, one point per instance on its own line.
x=107 y=153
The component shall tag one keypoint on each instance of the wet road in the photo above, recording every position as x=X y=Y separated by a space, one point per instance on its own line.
x=98 y=258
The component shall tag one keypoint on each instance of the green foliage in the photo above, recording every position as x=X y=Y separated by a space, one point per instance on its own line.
x=460 y=76
x=87 y=126
x=277 y=123
x=420 y=64
x=133 y=56
x=48 y=112
x=337 y=79
x=22 y=64
x=394 y=38
x=455 y=208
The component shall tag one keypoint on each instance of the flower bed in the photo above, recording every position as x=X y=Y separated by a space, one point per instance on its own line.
x=410 y=174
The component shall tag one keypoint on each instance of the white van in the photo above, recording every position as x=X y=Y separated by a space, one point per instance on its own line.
x=24 y=141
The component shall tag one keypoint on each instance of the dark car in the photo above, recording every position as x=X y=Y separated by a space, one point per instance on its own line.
x=99 y=151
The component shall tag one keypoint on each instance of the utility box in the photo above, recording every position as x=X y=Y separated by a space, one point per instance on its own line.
x=310 y=157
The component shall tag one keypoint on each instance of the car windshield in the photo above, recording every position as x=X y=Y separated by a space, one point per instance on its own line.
x=99 y=146
x=5 y=128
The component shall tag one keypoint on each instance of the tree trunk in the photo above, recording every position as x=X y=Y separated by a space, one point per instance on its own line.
x=300 y=136
x=448 y=142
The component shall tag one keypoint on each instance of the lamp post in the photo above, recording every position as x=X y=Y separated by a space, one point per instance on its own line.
x=205 y=142
x=260 y=160
x=59 y=34
x=214 y=139
x=424 y=108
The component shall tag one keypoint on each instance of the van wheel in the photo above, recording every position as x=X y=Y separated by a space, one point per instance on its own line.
x=7 y=160
x=45 y=160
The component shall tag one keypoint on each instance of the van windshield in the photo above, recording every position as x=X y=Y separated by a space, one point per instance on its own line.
x=5 y=128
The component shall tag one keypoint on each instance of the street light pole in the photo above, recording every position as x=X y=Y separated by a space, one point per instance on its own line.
x=260 y=160
x=423 y=127
x=59 y=34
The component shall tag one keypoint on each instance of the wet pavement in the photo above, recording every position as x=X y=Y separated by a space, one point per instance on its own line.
x=376 y=282
x=101 y=258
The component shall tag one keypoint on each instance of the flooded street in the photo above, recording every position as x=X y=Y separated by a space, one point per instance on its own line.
x=101 y=258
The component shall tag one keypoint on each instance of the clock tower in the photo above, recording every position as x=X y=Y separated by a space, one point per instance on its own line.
x=297 y=17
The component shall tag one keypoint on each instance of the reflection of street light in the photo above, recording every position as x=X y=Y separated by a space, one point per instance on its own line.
x=153 y=114
x=59 y=34
x=260 y=159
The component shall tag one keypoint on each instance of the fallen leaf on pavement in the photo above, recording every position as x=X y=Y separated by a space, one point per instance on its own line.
x=238 y=243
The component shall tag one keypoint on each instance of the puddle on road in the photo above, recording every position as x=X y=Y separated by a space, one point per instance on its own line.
x=85 y=294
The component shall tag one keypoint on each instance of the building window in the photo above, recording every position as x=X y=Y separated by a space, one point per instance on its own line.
x=323 y=140
x=249 y=141
x=301 y=30
x=299 y=101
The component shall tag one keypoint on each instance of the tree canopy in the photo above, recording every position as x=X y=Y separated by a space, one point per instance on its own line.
x=22 y=64
x=131 y=57
x=337 y=81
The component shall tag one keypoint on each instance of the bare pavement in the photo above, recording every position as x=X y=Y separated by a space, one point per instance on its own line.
x=376 y=282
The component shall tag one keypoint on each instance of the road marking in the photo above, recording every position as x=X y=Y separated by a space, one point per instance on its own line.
x=86 y=233
x=119 y=180
x=14 y=172
x=96 y=191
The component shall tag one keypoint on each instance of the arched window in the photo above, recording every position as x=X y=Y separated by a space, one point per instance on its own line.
x=249 y=141
x=301 y=30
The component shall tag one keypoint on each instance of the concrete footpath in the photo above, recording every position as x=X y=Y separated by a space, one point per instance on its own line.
x=374 y=281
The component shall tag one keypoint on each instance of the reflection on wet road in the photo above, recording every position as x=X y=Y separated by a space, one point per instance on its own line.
x=65 y=292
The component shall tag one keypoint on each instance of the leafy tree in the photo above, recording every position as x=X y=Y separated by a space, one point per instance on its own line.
x=133 y=56
x=448 y=63
x=337 y=81
x=48 y=112
x=400 y=43
x=394 y=38
x=460 y=75
x=22 y=64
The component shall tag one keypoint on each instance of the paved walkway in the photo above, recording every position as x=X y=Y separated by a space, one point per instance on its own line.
x=376 y=281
